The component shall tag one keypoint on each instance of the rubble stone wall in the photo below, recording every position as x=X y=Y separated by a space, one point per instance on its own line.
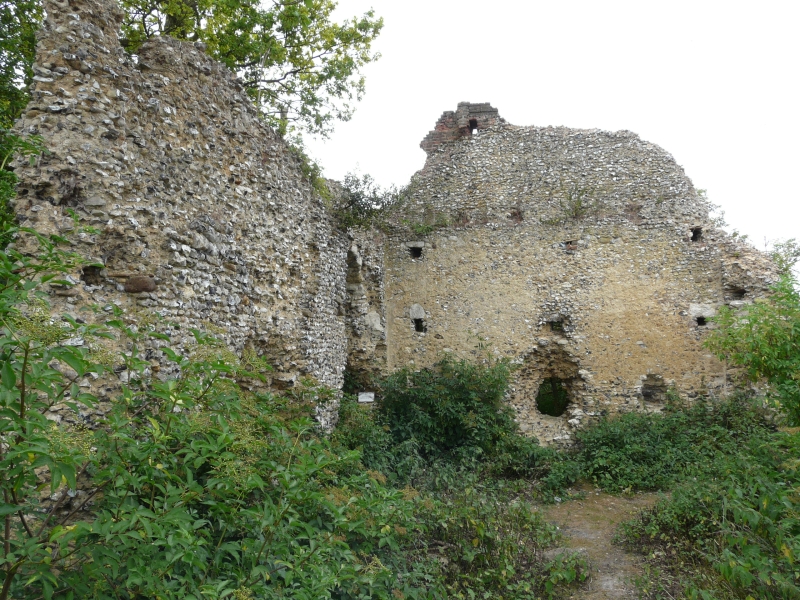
x=583 y=255
x=466 y=119
x=203 y=213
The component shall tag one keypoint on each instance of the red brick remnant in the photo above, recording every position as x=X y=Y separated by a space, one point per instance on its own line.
x=452 y=126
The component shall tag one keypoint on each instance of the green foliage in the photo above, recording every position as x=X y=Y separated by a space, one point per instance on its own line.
x=363 y=203
x=426 y=228
x=445 y=430
x=786 y=255
x=639 y=451
x=491 y=540
x=420 y=229
x=19 y=21
x=577 y=203
x=455 y=409
x=196 y=487
x=738 y=525
x=298 y=65
x=10 y=145
x=764 y=339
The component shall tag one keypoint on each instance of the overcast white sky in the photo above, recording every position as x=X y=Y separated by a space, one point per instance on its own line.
x=714 y=83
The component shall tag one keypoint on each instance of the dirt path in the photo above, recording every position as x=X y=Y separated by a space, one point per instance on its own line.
x=589 y=526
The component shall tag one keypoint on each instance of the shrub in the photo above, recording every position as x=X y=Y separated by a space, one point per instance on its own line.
x=738 y=523
x=639 y=451
x=11 y=145
x=764 y=339
x=452 y=408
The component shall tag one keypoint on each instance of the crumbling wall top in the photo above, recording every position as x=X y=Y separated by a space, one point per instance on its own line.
x=467 y=118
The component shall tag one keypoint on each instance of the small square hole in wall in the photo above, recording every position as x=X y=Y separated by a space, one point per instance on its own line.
x=701 y=321
x=557 y=326
x=571 y=245
x=419 y=325
x=91 y=275
x=697 y=234
x=415 y=252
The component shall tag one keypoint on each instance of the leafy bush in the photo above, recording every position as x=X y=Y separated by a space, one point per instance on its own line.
x=738 y=523
x=363 y=204
x=638 y=451
x=490 y=541
x=11 y=145
x=452 y=408
x=764 y=339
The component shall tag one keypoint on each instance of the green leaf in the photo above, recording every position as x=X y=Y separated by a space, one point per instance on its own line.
x=8 y=509
x=9 y=378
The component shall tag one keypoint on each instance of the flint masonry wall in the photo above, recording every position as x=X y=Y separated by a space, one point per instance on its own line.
x=203 y=214
x=584 y=255
x=579 y=254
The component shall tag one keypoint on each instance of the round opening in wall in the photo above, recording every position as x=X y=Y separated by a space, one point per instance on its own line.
x=552 y=398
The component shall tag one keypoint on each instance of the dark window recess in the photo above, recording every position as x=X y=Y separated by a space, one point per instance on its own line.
x=415 y=252
x=473 y=125
x=737 y=293
x=552 y=398
x=654 y=389
x=557 y=326
x=419 y=325
x=697 y=234
x=701 y=321
x=91 y=275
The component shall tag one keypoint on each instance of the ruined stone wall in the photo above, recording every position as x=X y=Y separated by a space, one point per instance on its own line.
x=453 y=126
x=366 y=335
x=203 y=213
x=583 y=255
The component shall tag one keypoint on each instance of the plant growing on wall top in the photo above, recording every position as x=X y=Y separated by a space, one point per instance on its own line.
x=299 y=66
x=363 y=203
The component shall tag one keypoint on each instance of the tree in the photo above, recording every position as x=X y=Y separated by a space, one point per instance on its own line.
x=19 y=21
x=299 y=66
x=363 y=203
x=764 y=339
x=786 y=255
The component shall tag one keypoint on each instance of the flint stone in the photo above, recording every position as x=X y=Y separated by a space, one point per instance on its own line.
x=140 y=283
x=416 y=312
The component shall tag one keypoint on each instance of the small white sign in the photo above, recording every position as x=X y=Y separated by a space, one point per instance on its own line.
x=366 y=397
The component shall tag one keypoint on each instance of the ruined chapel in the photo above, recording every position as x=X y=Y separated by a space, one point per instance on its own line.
x=585 y=257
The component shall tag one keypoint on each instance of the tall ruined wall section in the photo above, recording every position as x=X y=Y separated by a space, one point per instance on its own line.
x=583 y=255
x=203 y=213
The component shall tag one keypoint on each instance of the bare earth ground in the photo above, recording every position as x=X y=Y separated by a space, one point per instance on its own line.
x=589 y=526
